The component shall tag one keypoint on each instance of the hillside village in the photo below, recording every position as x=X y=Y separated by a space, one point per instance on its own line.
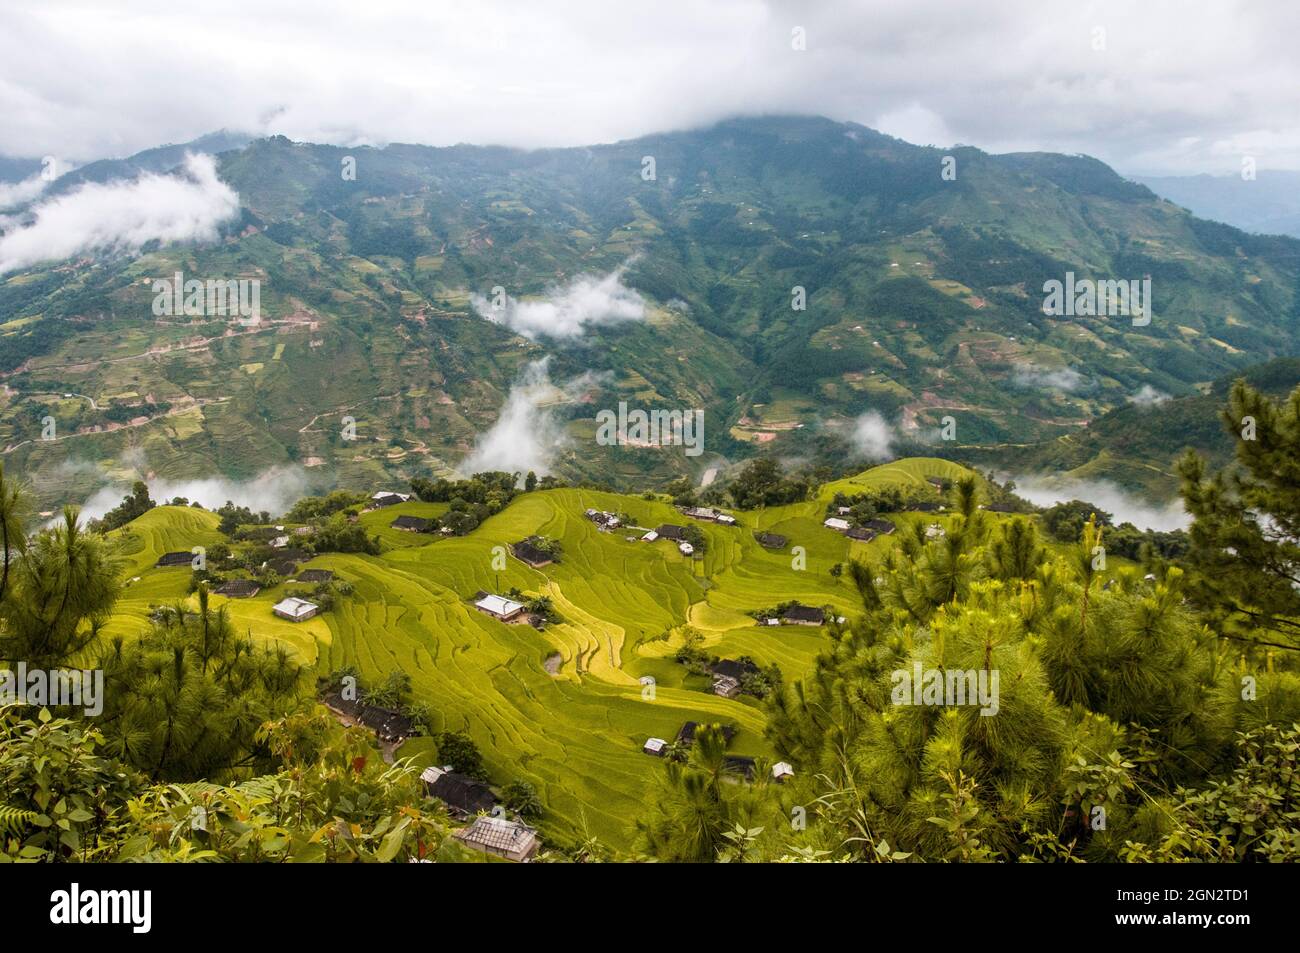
x=539 y=672
x=661 y=614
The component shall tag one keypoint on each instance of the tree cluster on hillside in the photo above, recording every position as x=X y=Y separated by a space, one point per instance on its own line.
x=457 y=749
x=1064 y=522
x=549 y=545
x=137 y=503
x=540 y=606
x=471 y=501
x=761 y=483
x=336 y=534
x=493 y=489
x=763 y=682
x=324 y=595
x=696 y=537
x=232 y=517
x=1004 y=495
x=314 y=508
x=682 y=491
x=869 y=504
x=328 y=529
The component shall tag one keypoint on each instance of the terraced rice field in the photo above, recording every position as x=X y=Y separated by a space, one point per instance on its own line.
x=576 y=734
x=905 y=474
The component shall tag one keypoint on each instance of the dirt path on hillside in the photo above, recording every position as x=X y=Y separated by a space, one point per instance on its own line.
x=306 y=428
x=198 y=345
x=174 y=412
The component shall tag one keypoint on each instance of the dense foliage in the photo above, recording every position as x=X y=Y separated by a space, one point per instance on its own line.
x=1120 y=727
x=1245 y=541
x=133 y=505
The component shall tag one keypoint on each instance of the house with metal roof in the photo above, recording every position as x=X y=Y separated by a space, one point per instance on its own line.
x=499 y=607
x=295 y=609
x=512 y=840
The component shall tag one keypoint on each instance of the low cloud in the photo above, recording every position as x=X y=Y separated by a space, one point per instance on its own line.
x=1126 y=507
x=1148 y=396
x=123 y=216
x=1060 y=378
x=872 y=438
x=274 y=490
x=567 y=311
x=14 y=194
x=525 y=436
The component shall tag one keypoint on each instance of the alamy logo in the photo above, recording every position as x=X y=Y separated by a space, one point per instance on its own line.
x=1088 y=298
x=134 y=907
x=655 y=428
x=946 y=687
x=78 y=688
x=214 y=298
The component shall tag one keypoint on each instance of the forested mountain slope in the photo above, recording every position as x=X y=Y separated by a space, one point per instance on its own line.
x=923 y=299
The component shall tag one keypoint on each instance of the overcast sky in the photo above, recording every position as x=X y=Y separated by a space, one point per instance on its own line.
x=1150 y=86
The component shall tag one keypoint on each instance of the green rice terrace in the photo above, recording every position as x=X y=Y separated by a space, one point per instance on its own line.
x=563 y=707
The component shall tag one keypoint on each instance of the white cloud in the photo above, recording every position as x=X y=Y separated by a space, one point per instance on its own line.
x=1148 y=396
x=1060 y=378
x=123 y=216
x=14 y=194
x=525 y=436
x=1125 y=506
x=275 y=491
x=1169 y=92
x=915 y=123
x=872 y=437
x=567 y=312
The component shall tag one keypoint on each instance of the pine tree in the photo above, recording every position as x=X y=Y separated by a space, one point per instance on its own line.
x=61 y=588
x=1015 y=551
x=1244 y=551
x=14 y=511
x=1106 y=683
x=698 y=803
x=190 y=694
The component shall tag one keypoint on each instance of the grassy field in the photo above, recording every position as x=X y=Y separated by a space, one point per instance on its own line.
x=577 y=734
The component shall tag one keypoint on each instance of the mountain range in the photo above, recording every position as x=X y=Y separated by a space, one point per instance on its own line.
x=820 y=290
